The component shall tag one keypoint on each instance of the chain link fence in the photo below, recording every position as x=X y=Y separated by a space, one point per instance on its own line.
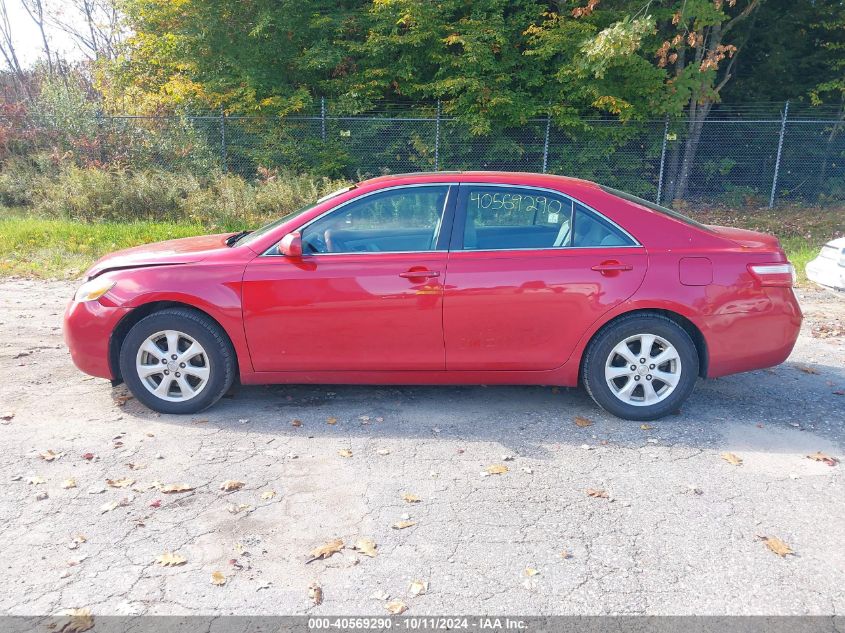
x=733 y=160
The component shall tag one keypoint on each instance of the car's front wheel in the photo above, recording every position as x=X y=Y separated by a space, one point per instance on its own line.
x=177 y=361
x=641 y=367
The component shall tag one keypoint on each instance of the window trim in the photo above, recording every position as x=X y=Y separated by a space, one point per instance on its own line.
x=456 y=245
x=444 y=225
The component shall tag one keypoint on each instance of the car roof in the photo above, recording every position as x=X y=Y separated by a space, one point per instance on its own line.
x=506 y=177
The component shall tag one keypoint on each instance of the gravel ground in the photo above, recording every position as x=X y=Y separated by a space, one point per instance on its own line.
x=678 y=533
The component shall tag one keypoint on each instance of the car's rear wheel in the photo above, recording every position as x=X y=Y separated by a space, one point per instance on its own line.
x=177 y=361
x=641 y=367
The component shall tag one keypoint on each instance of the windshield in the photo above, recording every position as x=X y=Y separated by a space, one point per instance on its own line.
x=655 y=207
x=257 y=233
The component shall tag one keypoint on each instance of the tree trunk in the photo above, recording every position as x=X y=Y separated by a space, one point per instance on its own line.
x=696 y=125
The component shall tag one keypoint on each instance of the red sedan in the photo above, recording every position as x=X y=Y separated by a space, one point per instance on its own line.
x=444 y=278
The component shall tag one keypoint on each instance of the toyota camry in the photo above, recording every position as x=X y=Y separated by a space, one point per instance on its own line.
x=443 y=278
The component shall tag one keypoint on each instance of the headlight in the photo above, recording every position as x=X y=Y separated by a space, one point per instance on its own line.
x=93 y=290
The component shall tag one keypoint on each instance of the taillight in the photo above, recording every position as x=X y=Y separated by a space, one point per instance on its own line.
x=782 y=275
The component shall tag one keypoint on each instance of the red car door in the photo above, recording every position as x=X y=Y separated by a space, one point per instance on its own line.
x=367 y=294
x=530 y=270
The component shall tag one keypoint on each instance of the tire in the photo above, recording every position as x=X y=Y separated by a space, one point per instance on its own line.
x=650 y=390
x=202 y=373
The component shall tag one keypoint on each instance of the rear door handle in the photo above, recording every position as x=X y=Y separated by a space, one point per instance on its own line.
x=606 y=267
x=418 y=274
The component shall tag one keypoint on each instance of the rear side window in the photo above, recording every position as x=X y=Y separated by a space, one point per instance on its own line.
x=591 y=230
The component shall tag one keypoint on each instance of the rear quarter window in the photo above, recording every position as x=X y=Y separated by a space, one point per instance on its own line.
x=653 y=206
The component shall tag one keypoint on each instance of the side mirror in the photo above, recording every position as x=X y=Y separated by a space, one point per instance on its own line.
x=291 y=245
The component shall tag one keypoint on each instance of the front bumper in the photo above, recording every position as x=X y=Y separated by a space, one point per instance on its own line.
x=88 y=329
x=826 y=272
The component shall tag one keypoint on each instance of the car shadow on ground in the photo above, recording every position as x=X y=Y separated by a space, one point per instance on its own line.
x=797 y=403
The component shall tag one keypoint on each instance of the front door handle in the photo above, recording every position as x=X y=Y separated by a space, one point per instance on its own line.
x=419 y=274
x=608 y=267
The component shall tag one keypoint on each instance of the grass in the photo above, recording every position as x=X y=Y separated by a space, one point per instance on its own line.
x=50 y=249
x=41 y=247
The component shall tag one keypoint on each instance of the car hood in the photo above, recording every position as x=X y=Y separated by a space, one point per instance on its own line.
x=749 y=239
x=181 y=251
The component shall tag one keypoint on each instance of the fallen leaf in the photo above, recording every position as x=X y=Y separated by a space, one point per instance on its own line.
x=171 y=488
x=88 y=456
x=119 y=483
x=331 y=421
x=78 y=620
x=122 y=400
x=155 y=504
x=646 y=427
x=7 y=417
x=231 y=485
x=296 y=422
x=217 y=578
x=776 y=545
x=530 y=571
x=366 y=546
x=315 y=592
x=409 y=498
x=50 y=455
x=268 y=494
x=36 y=480
x=838 y=392
x=170 y=559
x=732 y=459
x=383 y=451
x=79 y=539
x=200 y=421
x=821 y=457
x=598 y=493
x=582 y=422
x=806 y=369
x=41 y=496
x=326 y=550
x=68 y=483
x=418 y=587
x=396 y=607
x=401 y=525
x=565 y=554
x=345 y=452
x=496 y=469
x=379 y=595
x=108 y=507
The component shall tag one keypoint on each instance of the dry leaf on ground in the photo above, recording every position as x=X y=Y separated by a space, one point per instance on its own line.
x=268 y=494
x=396 y=607
x=807 y=369
x=49 y=455
x=108 y=507
x=776 y=545
x=231 y=485
x=736 y=460
x=171 y=559
x=598 y=493
x=69 y=483
x=418 y=587
x=296 y=422
x=366 y=546
x=821 y=457
x=36 y=480
x=646 y=427
x=315 y=592
x=345 y=452
x=120 y=483
x=582 y=422
x=401 y=525
x=530 y=571
x=565 y=554
x=331 y=421
x=409 y=498
x=78 y=620
x=326 y=550
x=217 y=578
x=496 y=469
x=172 y=488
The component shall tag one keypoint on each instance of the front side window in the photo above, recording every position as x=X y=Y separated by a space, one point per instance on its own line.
x=406 y=219
x=501 y=218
